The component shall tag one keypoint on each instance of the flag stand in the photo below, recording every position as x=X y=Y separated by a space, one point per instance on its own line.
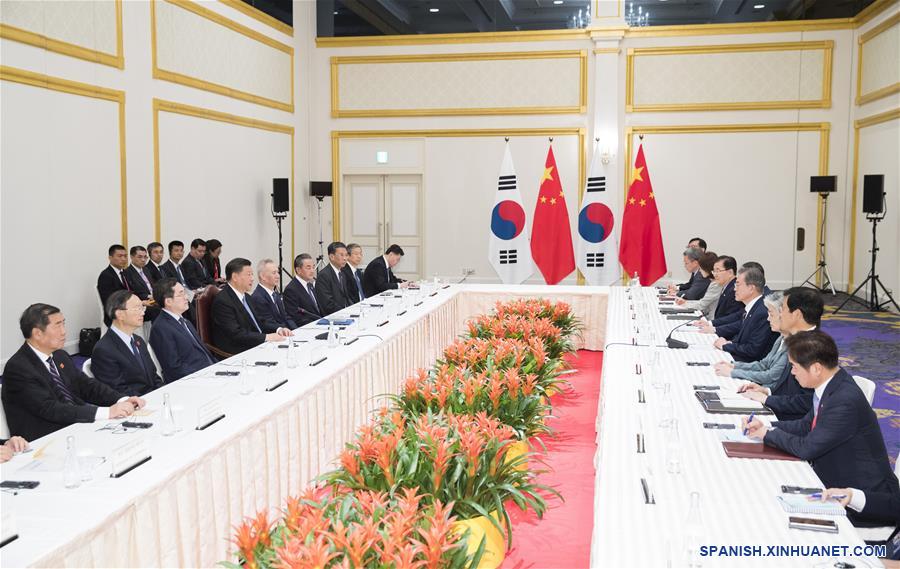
x=822 y=267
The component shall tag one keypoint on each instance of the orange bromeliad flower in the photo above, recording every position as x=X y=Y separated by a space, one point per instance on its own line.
x=246 y=541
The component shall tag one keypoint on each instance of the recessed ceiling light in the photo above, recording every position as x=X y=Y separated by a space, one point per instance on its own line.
x=759 y=6
x=557 y=2
x=335 y=13
x=434 y=10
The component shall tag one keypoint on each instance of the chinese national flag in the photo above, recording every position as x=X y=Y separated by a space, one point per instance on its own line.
x=641 y=246
x=551 y=236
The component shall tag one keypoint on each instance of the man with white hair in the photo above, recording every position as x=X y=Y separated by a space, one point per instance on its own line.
x=696 y=286
x=267 y=301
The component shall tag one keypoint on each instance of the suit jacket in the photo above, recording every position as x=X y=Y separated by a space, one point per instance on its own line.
x=697 y=288
x=378 y=277
x=846 y=449
x=275 y=315
x=755 y=337
x=232 y=329
x=33 y=404
x=213 y=267
x=139 y=287
x=353 y=279
x=331 y=294
x=107 y=283
x=178 y=355
x=727 y=303
x=168 y=270
x=113 y=363
x=153 y=273
x=731 y=322
x=299 y=304
x=685 y=286
x=789 y=400
x=195 y=273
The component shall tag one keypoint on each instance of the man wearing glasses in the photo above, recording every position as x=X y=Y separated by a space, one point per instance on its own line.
x=174 y=340
x=121 y=359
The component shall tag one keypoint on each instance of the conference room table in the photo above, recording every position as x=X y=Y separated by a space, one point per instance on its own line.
x=180 y=507
x=737 y=496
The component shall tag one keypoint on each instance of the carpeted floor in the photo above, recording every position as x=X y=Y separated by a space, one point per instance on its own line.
x=869 y=344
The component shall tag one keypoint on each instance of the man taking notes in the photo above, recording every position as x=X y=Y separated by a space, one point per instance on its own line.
x=378 y=276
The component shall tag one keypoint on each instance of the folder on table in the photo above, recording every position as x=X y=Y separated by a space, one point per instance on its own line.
x=801 y=504
x=755 y=450
x=667 y=310
x=712 y=402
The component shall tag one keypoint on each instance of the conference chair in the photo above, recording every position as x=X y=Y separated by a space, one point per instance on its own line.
x=867 y=386
x=103 y=326
x=86 y=368
x=883 y=532
x=4 y=428
x=203 y=308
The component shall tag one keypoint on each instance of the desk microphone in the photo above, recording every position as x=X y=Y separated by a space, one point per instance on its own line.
x=672 y=342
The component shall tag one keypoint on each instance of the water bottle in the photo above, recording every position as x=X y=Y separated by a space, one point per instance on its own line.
x=71 y=472
x=332 y=335
x=168 y=417
x=693 y=532
x=246 y=385
x=291 y=355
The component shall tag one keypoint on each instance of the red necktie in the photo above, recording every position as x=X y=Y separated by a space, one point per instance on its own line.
x=124 y=282
x=816 y=415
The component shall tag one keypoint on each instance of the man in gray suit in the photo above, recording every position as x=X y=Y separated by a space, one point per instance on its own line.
x=696 y=286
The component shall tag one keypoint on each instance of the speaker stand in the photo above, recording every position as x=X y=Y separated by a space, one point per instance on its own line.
x=822 y=267
x=872 y=303
x=278 y=219
x=320 y=260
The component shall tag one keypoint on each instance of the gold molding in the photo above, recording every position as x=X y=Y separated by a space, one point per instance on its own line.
x=204 y=85
x=160 y=105
x=857 y=126
x=826 y=46
x=116 y=60
x=823 y=128
x=873 y=10
x=84 y=90
x=596 y=4
x=337 y=135
x=337 y=112
x=863 y=98
x=603 y=50
x=451 y=39
x=259 y=16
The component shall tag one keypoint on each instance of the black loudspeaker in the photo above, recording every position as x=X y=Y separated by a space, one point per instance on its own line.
x=822 y=184
x=281 y=202
x=873 y=193
x=320 y=189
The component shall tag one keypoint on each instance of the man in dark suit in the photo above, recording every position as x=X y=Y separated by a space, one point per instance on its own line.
x=378 y=276
x=267 y=302
x=801 y=311
x=153 y=269
x=300 y=294
x=176 y=342
x=112 y=278
x=193 y=268
x=172 y=267
x=235 y=327
x=839 y=436
x=140 y=282
x=353 y=273
x=697 y=243
x=43 y=391
x=696 y=286
x=120 y=358
x=731 y=321
x=751 y=338
x=725 y=273
x=331 y=284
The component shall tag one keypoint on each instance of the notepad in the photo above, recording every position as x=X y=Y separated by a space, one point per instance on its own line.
x=342 y=322
x=734 y=436
x=800 y=504
x=738 y=402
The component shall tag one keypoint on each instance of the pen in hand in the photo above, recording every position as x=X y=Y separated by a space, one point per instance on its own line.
x=750 y=420
x=818 y=496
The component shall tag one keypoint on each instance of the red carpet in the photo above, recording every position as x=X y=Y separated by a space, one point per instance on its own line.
x=563 y=537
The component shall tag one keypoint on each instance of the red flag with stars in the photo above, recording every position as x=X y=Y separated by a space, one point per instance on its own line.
x=641 y=246
x=551 y=235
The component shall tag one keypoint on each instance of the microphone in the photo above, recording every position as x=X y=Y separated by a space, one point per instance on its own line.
x=677 y=344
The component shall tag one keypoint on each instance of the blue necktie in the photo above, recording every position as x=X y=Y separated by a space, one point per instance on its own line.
x=250 y=312
x=137 y=353
x=362 y=295
x=194 y=339
x=279 y=307
x=57 y=380
x=312 y=294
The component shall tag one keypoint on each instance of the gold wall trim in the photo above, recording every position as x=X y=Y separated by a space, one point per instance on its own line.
x=204 y=85
x=863 y=98
x=84 y=90
x=823 y=128
x=857 y=126
x=338 y=135
x=596 y=10
x=160 y=105
x=581 y=108
x=873 y=10
x=116 y=60
x=259 y=16
x=600 y=50
x=824 y=102
x=459 y=38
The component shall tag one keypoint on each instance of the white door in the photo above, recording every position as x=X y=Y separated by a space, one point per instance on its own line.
x=383 y=210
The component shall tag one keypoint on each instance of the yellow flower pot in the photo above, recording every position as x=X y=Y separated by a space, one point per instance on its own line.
x=516 y=450
x=494 y=541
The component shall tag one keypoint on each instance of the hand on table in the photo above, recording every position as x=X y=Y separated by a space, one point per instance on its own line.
x=17 y=444
x=755 y=429
x=720 y=342
x=680 y=301
x=847 y=494
x=284 y=332
x=750 y=386
x=707 y=328
x=671 y=289
x=757 y=396
x=279 y=335
x=136 y=402
x=724 y=369
x=121 y=409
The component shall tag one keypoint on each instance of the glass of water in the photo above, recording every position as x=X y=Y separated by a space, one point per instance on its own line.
x=673 y=448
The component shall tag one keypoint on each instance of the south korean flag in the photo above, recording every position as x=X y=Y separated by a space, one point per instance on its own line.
x=596 y=249
x=509 y=249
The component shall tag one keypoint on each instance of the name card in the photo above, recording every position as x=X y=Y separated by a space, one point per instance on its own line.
x=209 y=413
x=8 y=531
x=129 y=456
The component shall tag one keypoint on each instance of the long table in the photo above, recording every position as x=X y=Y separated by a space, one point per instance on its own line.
x=180 y=508
x=737 y=496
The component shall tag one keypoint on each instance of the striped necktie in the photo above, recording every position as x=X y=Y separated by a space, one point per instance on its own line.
x=60 y=384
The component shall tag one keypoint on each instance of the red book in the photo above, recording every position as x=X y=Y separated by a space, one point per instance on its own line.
x=551 y=236
x=641 y=246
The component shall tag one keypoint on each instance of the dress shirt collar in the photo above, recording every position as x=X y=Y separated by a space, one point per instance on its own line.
x=41 y=355
x=271 y=291
x=821 y=389
x=117 y=271
x=172 y=314
x=303 y=281
x=337 y=271
x=122 y=335
x=749 y=306
x=386 y=264
x=240 y=295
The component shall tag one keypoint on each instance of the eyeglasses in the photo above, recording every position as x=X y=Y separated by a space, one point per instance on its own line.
x=720 y=271
x=140 y=308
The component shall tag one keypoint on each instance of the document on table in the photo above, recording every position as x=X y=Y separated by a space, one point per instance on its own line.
x=738 y=402
x=801 y=504
x=735 y=436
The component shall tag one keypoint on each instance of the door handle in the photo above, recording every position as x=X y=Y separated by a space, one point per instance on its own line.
x=387 y=234
x=801 y=238
x=380 y=241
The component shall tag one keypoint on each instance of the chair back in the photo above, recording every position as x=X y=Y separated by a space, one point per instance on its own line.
x=867 y=386
x=203 y=312
x=86 y=368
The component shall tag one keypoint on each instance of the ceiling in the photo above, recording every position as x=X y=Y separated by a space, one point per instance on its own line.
x=343 y=18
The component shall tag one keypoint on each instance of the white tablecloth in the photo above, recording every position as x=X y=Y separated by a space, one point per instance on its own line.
x=180 y=508
x=737 y=496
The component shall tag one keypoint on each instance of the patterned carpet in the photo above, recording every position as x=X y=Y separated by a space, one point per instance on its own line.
x=869 y=344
